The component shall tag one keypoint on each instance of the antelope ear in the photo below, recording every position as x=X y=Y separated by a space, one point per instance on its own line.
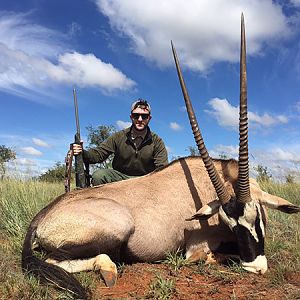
x=206 y=211
x=271 y=201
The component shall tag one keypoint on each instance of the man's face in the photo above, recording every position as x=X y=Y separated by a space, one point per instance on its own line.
x=140 y=118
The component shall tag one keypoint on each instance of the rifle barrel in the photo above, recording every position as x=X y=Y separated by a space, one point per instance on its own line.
x=76 y=114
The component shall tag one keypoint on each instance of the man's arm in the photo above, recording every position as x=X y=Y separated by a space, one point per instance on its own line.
x=160 y=153
x=98 y=154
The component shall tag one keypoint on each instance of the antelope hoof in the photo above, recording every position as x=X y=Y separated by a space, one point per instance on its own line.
x=109 y=277
x=107 y=269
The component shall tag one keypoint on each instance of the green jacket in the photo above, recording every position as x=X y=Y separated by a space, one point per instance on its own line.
x=128 y=159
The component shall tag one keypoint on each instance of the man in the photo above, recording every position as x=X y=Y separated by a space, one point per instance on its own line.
x=137 y=151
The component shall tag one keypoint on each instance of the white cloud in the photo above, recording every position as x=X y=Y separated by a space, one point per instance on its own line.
x=169 y=149
x=18 y=33
x=175 y=126
x=33 y=57
x=19 y=69
x=224 y=112
x=284 y=155
x=229 y=151
x=279 y=161
x=123 y=124
x=228 y=115
x=204 y=32
x=40 y=143
x=31 y=151
x=295 y=2
x=24 y=162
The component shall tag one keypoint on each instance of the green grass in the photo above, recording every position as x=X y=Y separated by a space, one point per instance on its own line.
x=161 y=288
x=283 y=234
x=176 y=260
x=19 y=202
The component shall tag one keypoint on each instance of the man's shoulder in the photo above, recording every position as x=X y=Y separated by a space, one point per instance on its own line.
x=155 y=136
x=120 y=133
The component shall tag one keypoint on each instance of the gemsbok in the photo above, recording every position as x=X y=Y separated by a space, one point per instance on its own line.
x=197 y=204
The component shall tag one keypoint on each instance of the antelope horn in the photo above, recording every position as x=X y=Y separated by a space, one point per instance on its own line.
x=243 y=180
x=222 y=193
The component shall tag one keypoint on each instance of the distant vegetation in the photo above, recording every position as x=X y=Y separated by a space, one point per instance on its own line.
x=55 y=174
x=6 y=154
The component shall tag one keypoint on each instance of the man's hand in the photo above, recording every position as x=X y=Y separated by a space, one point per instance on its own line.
x=77 y=148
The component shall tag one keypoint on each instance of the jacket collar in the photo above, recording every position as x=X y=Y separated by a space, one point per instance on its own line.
x=147 y=139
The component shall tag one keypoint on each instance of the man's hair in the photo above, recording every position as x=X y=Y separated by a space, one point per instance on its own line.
x=141 y=103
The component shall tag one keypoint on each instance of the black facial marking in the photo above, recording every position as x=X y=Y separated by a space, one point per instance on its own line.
x=248 y=247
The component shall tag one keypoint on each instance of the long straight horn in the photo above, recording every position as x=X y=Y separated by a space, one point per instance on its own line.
x=243 y=181
x=222 y=193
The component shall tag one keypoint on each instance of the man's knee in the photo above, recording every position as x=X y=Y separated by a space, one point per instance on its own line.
x=102 y=176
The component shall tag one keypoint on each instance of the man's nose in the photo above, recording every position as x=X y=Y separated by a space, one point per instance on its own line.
x=140 y=118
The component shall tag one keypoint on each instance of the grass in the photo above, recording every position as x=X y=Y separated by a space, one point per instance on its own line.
x=176 y=260
x=161 y=288
x=20 y=201
x=283 y=234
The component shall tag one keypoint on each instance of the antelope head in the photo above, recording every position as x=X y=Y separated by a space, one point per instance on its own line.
x=242 y=214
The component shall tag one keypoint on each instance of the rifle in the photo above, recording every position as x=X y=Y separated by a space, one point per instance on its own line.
x=82 y=176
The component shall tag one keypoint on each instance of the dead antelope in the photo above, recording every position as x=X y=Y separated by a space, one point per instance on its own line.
x=144 y=218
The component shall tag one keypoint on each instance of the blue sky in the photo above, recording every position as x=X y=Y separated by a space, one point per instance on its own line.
x=114 y=52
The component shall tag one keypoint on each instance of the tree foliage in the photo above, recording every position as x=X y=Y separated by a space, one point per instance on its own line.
x=55 y=174
x=193 y=151
x=6 y=154
x=97 y=135
x=290 y=178
x=263 y=174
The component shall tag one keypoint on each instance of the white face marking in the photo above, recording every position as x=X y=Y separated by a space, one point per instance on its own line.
x=230 y=222
x=210 y=208
x=249 y=217
x=258 y=266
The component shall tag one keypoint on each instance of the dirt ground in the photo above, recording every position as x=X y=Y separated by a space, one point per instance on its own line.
x=149 y=281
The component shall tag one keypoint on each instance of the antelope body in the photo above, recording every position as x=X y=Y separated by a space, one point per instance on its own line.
x=195 y=203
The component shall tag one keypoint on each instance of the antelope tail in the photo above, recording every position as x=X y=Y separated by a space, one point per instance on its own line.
x=48 y=273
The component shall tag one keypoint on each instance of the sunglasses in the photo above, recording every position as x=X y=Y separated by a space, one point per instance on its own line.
x=136 y=116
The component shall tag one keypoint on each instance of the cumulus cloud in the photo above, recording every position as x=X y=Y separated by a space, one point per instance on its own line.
x=228 y=115
x=204 y=32
x=284 y=155
x=229 y=151
x=279 y=161
x=40 y=143
x=175 y=126
x=123 y=124
x=31 y=151
x=33 y=57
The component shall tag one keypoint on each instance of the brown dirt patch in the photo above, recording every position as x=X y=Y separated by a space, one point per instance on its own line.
x=192 y=282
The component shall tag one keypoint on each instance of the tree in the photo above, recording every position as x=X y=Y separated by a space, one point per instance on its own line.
x=193 y=150
x=223 y=156
x=96 y=135
x=6 y=155
x=290 y=178
x=55 y=174
x=263 y=173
